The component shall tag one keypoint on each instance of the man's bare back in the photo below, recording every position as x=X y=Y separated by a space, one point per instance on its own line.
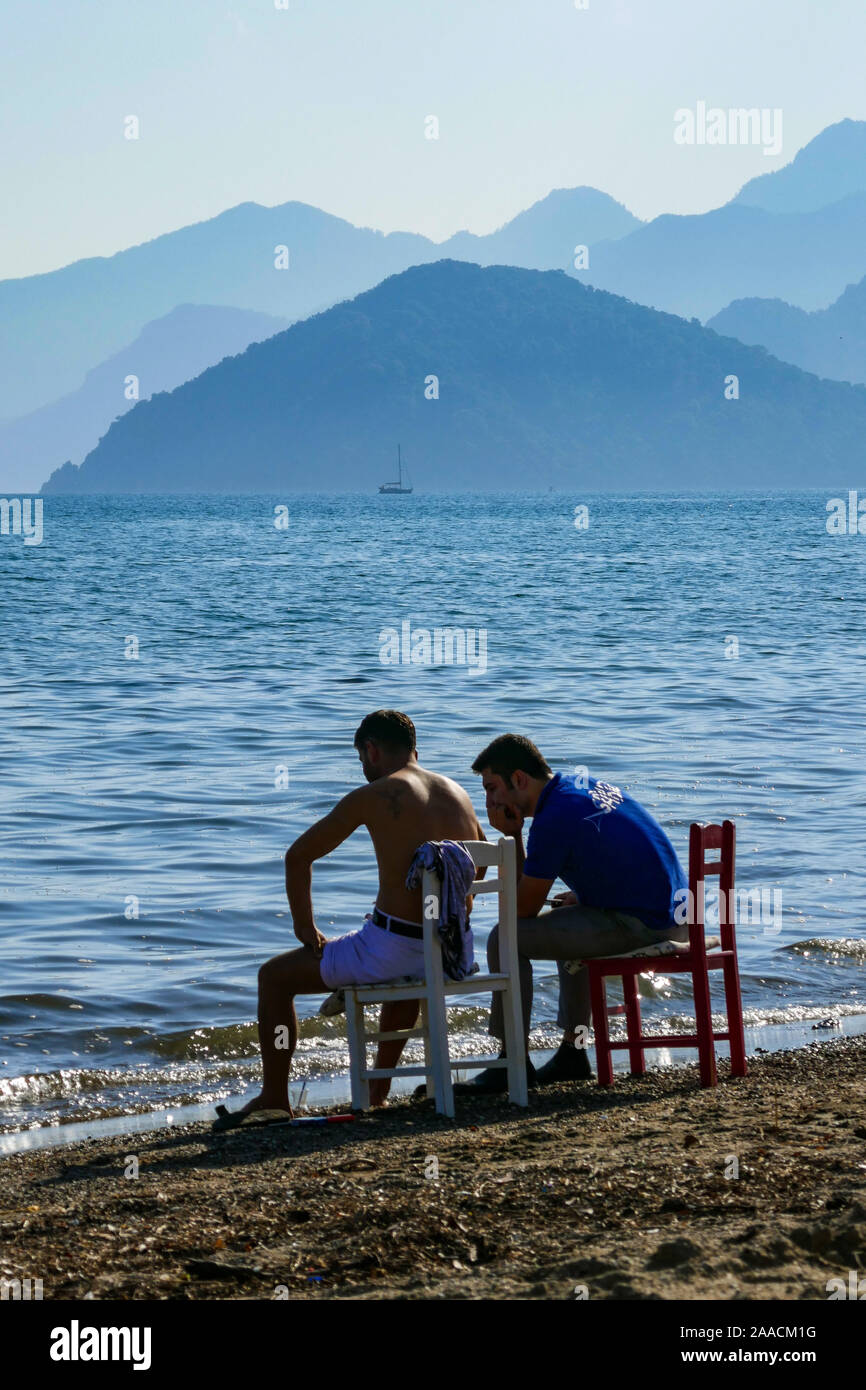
x=403 y=811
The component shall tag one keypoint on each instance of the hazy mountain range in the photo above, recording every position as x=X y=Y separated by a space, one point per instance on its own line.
x=171 y=350
x=831 y=167
x=695 y=266
x=798 y=234
x=795 y=236
x=56 y=327
x=830 y=342
x=537 y=376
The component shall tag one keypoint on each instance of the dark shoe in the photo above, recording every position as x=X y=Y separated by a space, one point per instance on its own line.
x=493 y=1081
x=568 y=1063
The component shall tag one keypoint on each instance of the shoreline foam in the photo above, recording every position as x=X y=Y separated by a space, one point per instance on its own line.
x=332 y=1089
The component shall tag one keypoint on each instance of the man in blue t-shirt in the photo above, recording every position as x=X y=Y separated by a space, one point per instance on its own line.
x=619 y=865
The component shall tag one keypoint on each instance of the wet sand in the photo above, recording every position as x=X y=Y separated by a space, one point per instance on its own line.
x=618 y=1194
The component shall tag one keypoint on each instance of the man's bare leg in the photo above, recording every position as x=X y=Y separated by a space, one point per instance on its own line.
x=401 y=1013
x=280 y=979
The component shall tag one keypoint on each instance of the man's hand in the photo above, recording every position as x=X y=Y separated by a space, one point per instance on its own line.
x=564 y=899
x=312 y=937
x=506 y=819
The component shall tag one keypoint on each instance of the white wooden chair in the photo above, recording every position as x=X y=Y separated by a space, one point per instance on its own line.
x=432 y=990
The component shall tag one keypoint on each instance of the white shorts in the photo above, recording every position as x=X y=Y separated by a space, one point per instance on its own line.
x=370 y=957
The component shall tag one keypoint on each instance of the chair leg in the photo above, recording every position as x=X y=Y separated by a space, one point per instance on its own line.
x=434 y=992
x=509 y=964
x=425 y=1026
x=734 y=1006
x=704 y=1022
x=357 y=1052
x=598 y=996
x=633 y=1025
x=439 y=1056
x=515 y=1045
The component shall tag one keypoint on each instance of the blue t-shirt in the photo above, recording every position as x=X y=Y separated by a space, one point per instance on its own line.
x=607 y=848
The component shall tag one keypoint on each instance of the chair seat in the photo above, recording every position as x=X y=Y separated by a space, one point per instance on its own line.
x=681 y=963
x=371 y=994
x=669 y=950
x=665 y=948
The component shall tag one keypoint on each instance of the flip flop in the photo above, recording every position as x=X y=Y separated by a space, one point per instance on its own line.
x=252 y=1119
x=334 y=1004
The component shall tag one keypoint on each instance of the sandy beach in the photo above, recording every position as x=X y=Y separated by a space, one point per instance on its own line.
x=653 y=1190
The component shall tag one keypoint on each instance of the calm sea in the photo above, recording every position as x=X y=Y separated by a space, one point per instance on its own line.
x=182 y=678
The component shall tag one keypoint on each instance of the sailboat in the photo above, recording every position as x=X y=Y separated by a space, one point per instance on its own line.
x=398 y=486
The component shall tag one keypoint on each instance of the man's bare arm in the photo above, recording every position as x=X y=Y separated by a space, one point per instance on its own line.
x=508 y=820
x=481 y=869
x=531 y=892
x=520 y=856
x=532 y=895
x=315 y=843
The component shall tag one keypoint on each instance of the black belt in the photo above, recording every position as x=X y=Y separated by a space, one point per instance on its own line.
x=397 y=925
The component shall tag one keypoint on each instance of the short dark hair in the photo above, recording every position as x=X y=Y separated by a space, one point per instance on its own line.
x=389 y=728
x=510 y=753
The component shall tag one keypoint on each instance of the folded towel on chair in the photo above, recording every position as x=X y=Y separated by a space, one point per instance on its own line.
x=455 y=869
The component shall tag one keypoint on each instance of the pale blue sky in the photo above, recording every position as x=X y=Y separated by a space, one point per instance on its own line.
x=325 y=102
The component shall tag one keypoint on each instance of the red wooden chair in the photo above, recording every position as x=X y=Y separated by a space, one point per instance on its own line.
x=696 y=959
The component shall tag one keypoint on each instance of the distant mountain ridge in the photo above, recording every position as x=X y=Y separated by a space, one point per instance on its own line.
x=695 y=266
x=540 y=379
x=546 y=235
x=829 y=342
x=166 y=353
x=69 y=320
x=56 y=327
x=831 y=167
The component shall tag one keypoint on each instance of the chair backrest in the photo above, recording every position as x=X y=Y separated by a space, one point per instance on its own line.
x=703 y=839
x=500 y=855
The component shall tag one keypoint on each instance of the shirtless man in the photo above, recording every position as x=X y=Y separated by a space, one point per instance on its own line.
x=402 y=806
